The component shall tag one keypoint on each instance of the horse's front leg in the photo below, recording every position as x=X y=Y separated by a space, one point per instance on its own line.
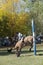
x=18 y=52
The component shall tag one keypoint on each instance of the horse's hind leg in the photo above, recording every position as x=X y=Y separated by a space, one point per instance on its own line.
x=31 y=47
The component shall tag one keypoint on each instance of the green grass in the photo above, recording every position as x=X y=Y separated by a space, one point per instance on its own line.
x=26 y=58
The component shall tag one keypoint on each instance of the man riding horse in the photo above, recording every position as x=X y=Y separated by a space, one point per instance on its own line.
x=26 y=41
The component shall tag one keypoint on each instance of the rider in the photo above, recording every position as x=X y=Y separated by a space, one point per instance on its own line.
x=19 y=36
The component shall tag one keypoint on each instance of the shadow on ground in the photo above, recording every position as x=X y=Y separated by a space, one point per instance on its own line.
x=40 y=53
x=31 y=51
x=4 y=52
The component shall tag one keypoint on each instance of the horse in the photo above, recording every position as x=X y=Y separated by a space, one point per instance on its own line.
x=26 y=41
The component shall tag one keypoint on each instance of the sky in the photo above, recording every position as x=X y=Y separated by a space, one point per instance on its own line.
x=21 y=5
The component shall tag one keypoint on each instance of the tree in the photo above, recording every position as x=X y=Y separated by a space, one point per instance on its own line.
x=36 y=11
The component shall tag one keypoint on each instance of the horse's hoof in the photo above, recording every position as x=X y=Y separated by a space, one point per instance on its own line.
x=30 y=50
x=9 y=50
x=18 y=55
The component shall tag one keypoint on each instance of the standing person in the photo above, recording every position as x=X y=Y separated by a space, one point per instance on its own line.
x=6 y=41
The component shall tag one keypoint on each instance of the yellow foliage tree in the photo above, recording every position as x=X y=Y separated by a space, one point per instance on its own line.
x=12 y=22
x=22 y=23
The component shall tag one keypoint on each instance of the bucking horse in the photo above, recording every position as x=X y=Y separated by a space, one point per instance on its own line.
x=25 y=41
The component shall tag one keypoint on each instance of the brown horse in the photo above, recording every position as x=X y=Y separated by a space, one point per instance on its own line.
x=27 y=41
